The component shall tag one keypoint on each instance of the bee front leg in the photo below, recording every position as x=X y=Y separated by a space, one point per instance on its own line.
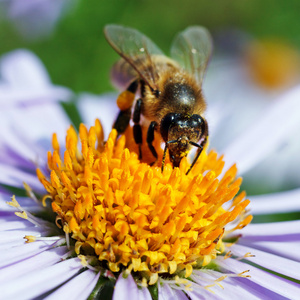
x=199 y=151
x=200 y=146
x=124 y=102
x=137 y=130
x=150 y=138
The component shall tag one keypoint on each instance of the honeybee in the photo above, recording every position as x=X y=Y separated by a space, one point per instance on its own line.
x=170 y=90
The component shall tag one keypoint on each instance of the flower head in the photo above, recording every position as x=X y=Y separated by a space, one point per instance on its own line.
x=133 y=217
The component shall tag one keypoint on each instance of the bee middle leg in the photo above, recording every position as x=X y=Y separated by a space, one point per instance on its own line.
x=124 y=102
x=137 y=130
x=150 y=139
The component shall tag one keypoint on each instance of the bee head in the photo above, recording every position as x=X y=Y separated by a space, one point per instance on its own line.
x=179 y=132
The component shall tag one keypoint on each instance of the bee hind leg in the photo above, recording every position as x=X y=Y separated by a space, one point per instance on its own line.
x=137 y=130
x=124 y=102
x=150 y=139
x=122 y=121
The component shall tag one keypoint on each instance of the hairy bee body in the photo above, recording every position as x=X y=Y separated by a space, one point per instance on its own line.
x=170 y=89
x=179 y=92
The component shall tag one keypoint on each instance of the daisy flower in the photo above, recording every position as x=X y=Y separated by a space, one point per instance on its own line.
x=99 y=223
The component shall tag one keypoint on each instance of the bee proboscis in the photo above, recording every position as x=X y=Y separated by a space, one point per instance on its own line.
x=170 y=88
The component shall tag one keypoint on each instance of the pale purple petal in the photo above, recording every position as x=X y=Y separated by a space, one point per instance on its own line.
x=201 y=294
x=25 y=202
x=275 y=284
x=11 y=222
x=23 y=251
x=227 y=288
x=126 y=289
x=255 y=231
x=269 y=261
x=283 y=248
x=252 y=288
x=27 y=135
x=80 y=287
x=34 y=263
x=41 y=281
x=282 y=202
x=260 y=140
x=230 y=290
x=165 y=292
x=15 y=177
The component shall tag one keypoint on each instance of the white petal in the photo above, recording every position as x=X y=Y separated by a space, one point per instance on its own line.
x=104 y=108
x=19 y=96
x=275 y=203
x=167 y=293
x=230 y=103
x=25 y=80
x=36 y=123
x=266 y=134
x=41 y=281
x=269 y=261
x=23 y=68
x=279 y=285
x=81 y=287
x=126 y=289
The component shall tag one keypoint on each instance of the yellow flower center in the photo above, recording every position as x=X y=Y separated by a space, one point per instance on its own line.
x=132 y=216
x=273 y=64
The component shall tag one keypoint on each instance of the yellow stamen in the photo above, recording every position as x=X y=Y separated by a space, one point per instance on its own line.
x=133 y=217
x=273 y=63
x=30 y=238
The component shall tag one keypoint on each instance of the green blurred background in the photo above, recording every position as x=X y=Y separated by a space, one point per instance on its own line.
x=77 y=56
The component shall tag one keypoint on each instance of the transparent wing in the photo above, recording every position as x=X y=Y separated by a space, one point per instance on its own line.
x=136 y=49
x=192 y=49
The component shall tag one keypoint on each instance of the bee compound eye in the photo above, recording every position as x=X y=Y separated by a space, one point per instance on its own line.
x=166 y=123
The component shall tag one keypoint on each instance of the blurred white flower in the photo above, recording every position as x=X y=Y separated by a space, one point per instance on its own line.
x=35 y=18
x=238 y=104
x=26 y=89
x=25 y=81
